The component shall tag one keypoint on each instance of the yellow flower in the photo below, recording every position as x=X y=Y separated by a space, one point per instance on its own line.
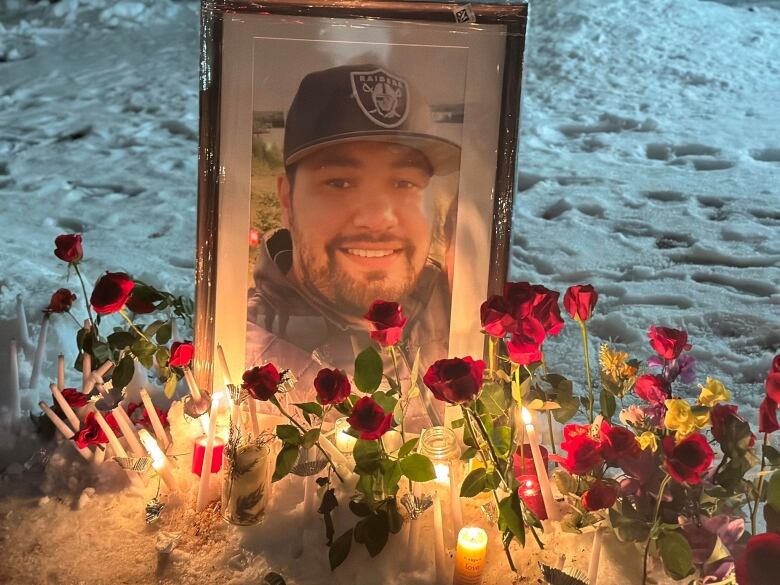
x=647 y=439
x=680 y=417
x=713 y=392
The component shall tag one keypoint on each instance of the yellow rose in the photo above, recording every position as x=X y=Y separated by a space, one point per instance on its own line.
x=647 y=439
x=679 y=417
x=713 y=392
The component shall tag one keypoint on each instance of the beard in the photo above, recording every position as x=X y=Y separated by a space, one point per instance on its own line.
x=345 y=290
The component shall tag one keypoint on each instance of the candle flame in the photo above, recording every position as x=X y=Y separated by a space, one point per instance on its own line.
x=526 y=416
x=151 y=446
x=442 y=471
x=472 y=535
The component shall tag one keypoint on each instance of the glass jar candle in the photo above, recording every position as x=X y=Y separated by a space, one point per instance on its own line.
x=246 y=482
x=440 y=445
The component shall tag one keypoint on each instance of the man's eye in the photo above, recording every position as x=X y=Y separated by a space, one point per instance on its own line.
x=339 y=183
x=405 y=185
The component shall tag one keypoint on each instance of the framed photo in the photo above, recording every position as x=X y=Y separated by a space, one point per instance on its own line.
x=352 y=151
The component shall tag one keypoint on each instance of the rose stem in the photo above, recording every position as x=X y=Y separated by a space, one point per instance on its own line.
x=84 y=290
x=584 y=331
x=760 y=484
x=132 y=325
x=655 y=521
x=549 y=413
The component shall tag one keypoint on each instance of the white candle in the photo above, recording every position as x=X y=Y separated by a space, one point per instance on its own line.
x=11 y=398
x=73 y=419
x=223 y=366
x=344 y=441
x=119 y=451
x=438 y=535
x=253 y=417
x=595 y=557
x=541 y=472
x=341 y=462
x=61 y=372
x=414 y=536
x=192 y=385
x=457 y=512
x=86 y=373
x=205 y=476
x=159 y=430
x=160 y=462
x=470 y=556
x=96 y=377
x=128 y=430
x=39 y=351
x=24 y=335
x=64 y=430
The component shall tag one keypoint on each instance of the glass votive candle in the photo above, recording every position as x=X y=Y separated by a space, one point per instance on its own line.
x=199 y=453
x=440 y=445
x=523 y=460
x=531 y=495
x=344 y=441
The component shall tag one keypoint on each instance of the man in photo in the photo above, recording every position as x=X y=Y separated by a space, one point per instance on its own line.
x=358 y=215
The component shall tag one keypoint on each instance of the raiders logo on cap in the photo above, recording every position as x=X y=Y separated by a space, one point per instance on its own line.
x=382 y=96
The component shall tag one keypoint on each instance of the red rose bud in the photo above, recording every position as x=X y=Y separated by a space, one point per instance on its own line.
x=758 y=564
x=387 y=320
x=582 y=452
x=90 y=432
x=111 y=292
x=767 y=416
x=580 y=300
x=75 y=398
x=617 y=443
x=369 y=419
x=776 y=363
x=525 y=344
x=68 y=248
x=496 y=316
x=668 y=343
x=599 y=496
x=61 y=301
x=262 y=382
x=139 y=306
x=181 y=354
x=687 y=460
x=719 y=414
x=773 y=386
x=546 y=309
x=455 y=380
x=521 y=297
x=652 y=389
x=332 y=386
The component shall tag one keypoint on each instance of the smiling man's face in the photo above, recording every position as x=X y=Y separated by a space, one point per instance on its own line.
x=361 y=221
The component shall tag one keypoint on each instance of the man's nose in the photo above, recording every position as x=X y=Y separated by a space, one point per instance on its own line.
x=376 y=211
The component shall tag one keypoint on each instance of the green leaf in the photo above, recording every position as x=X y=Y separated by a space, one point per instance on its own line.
x=170 y=386
x=367 y=456
x=394 y=519
x=386 y=402
x=391 y=475
x=373 y=532
x=628 y=529
x=123 y=372
x=164 y=333
x=510 y=516
x=153 y=327
x=285 y=461
x=772 y=455
x=418 y=468
x=494 y=398
x=676 y=554
x=120 y=339
x=608 y=405
x=469 y=453
x=289 y=434
x=408 y=447
x=474 y=483
x=309 y=438
x=502 y=441
x=339 y=550
x=773 y=491
x=311 y=408
x=359 y=509
x=143 y=349
x=368 y=370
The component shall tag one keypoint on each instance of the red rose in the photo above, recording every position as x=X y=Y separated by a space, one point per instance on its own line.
x=580 y=300
x=668 y=343
x=582 y=452
x=525 y=344
x=546 y=309
x=496 y=316
x=652 y=388
x=773 y=386
x=262 y=382
x=140 y=306
x=332 y=386
x=90 y=432
x=456 y=380
x=776 y=363
x=68 y=248
x=767 y=416
x=369 y=419
x=617 y=443
x=688 y=459
x=599 y=496
x=181 y=354
x=61 y=301
x=387 y=319
x=719 y=414
x=758 y=565
x=111 y=292
x=521 y=297
x=74 y=398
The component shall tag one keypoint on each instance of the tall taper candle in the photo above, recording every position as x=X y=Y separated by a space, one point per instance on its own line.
x=151 y=411
x=39 y=351
x=160 y=462
x=61 y=372
x=205 y=476
x=128 y=430
x=73 y=419
x=64 y=429
x=595 y=556
x=86 y=373
x=541 y=473
x=440 y=557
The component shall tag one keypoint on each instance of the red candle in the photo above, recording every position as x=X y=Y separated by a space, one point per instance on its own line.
x=531 y=495
x=199 y=452
x=525 y=464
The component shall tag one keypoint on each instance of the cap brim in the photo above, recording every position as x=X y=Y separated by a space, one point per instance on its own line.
x=443 y=154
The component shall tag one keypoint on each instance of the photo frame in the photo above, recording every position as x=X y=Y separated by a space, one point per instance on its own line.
x=432 y=78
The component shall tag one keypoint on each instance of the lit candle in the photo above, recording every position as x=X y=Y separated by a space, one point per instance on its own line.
x=64 y=429
x=223 y=366
x=199 y=454
x=61 y=372
x=595 y=556
x=119 y=451
x=208 y=456
x=440 y=445
x=66 y=409
x=470 y=556
x=39 y=350
x=160 y=462
x=128 y=430
x=438 y=535
x=530 y=494
x=159 y=430
x=541 y=472
x=342 y=463
x=344 y=441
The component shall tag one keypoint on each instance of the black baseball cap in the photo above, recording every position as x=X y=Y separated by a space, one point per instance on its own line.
x=363 y=102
